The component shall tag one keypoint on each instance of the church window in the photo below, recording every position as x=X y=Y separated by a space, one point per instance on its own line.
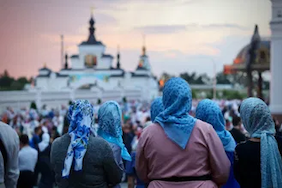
x=262 y=55
x=90 y=61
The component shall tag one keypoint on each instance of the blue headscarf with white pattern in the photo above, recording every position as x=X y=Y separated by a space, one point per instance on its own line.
x=208 y=111
x=109 y=120
x=257 y=120
x=156 y=108
x=175 y=119
x=81 y=118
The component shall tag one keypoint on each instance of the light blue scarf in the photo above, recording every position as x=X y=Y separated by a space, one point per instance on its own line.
x=81 y=118
x=109 y=120
x=208 y=111
x=156 y=108
x=175 y=120
x=257 y=120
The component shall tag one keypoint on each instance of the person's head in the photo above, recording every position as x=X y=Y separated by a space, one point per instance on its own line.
x=177 y=97
x=208 y=111
x=81 y=117
x=110 y=119
x=156 y=107
x=236 y=121
x=138 y=131
x=24 y=140
x=46 y=138
x=256 y=117
x=38 y=130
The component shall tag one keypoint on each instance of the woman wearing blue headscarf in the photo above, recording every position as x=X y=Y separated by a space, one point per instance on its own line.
x=79 y=159
x=178 y=150
x=258 y=161
x=156 y=108
x=110 y=120
x=208 y=111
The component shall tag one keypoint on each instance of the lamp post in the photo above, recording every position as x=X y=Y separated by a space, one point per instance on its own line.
x=214 y=79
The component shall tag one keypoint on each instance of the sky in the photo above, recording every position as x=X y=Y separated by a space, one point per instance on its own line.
x=181 y=35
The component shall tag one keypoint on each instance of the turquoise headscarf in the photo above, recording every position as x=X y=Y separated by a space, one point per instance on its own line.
x=81 y=118
x=257 y=120
x=175 y=119
x=156 y=108
x=210 y=112
x=109 y=120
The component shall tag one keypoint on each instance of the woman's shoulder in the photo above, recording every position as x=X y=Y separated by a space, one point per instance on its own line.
x=97 y=142
x=202 y=128
x=64 y=139
x=247 y=146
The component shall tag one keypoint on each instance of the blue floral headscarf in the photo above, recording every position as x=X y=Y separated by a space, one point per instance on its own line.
x=81 y=118
x=175 y=119
x=257 y=120
x=109 y=120
x=208 y=111
x=156 y=108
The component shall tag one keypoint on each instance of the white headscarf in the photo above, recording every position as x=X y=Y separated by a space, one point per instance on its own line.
x=45 y=142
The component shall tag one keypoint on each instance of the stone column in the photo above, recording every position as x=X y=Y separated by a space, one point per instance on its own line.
x=276 y=60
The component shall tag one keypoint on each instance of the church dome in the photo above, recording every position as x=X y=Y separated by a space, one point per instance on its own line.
x=263 y=53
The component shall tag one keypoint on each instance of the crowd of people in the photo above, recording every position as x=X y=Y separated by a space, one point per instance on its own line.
x=173 y=142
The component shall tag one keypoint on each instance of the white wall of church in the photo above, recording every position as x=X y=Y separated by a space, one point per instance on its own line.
x=105 y=63
x=52 y=84
x=54 y=99
x=75 y=63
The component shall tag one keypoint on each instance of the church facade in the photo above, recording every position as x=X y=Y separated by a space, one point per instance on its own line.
x=92 y=69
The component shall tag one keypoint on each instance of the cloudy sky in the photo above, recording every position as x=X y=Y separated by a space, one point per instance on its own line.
x=181 y=35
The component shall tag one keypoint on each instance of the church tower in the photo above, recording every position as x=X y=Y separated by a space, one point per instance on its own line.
x=144 y=59
x=276 y=59
x=118 y=59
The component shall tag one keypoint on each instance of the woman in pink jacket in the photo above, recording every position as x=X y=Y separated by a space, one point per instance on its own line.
x=179 y=151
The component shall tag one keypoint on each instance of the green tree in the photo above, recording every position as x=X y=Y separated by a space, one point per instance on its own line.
x=6 y=80
x=33 y=105
x=222 y=78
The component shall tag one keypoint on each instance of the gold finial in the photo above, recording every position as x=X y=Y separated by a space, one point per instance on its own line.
x=118 y=48
x=144 y=43
x=92 y=10
x=45 y=65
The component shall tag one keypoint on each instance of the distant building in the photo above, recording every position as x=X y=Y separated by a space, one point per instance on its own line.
x=92 y=69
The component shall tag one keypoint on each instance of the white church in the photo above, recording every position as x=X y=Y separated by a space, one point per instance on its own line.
x=91 y=68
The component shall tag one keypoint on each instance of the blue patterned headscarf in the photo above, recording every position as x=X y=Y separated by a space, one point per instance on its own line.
x=81 y=118
x=156 y=108
x=257 y=120
x=175 y=119
x=208 y=111
x=109 y=120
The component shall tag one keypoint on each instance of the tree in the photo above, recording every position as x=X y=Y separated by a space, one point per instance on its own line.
x=9 y=83
x=33 y=105
x=194 y=79
x=99 y=101
x=222 y=78
x=6 y=80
